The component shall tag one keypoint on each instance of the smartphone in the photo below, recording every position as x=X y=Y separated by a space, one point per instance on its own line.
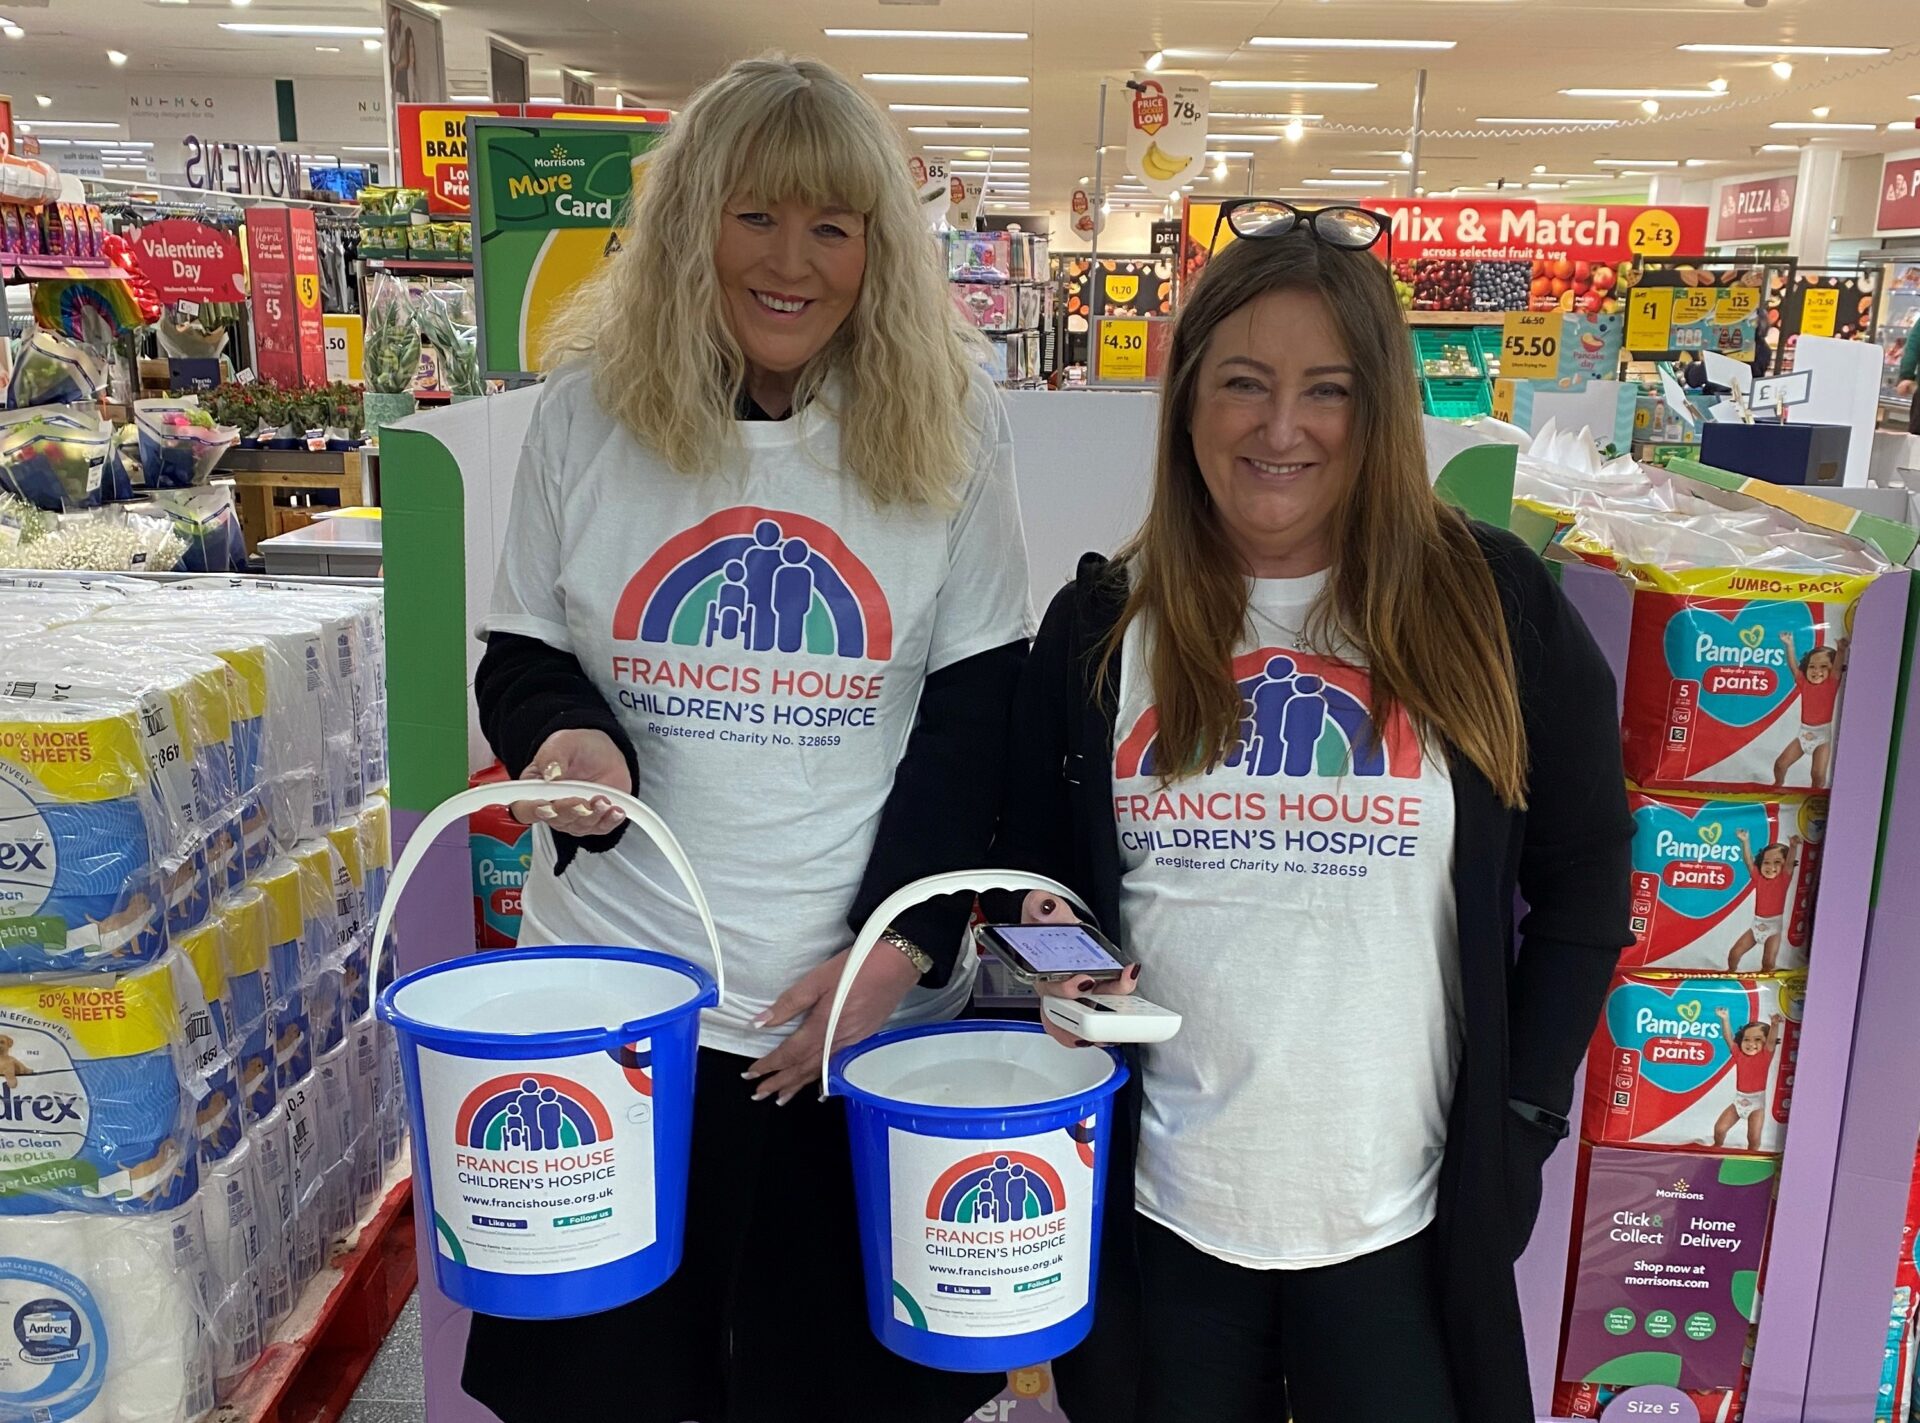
x=1052 y=953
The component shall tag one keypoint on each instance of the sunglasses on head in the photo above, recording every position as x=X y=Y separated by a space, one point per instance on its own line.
x=1354 y=229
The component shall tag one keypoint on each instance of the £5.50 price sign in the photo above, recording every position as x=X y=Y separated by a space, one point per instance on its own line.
x=1530 y=345
x=1123 y=349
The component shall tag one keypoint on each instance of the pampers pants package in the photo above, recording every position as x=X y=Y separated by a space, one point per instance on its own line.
x=1724 y=884
x=502 y=852
x=1694 y=1063
x=1734 y=678
x=1666 y=1269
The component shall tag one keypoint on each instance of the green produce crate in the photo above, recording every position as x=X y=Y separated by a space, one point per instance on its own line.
x=1457 y=399
x=1487 y=338
x=1435 y=347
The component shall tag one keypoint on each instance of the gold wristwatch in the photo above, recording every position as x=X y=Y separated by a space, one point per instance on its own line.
x=922 y=962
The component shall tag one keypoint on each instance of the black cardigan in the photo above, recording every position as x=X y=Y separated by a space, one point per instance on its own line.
x=1528 y=1016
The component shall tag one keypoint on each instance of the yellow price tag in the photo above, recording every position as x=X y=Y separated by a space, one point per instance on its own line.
x=1122 y=289
x=308 y=286
x=1694 y=304
x=1820 y=314
x=1650 y=319
x=1655 y=233
x=1503 y=390
x=1123 y=349
x=1735 y=304
x=1530 y=345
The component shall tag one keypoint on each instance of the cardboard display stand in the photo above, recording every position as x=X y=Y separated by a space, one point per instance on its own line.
x=446 y=480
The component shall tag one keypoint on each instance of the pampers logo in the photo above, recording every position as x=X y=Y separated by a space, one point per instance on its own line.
x=758 y=580
x=997 y=1187
x=1301 y=715
x=530 y=1111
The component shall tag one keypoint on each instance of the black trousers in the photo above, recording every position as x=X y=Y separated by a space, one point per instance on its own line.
x=1351 y=1343
x=764 y=1322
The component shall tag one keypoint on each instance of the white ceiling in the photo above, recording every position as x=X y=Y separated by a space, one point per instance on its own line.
x=1513 y=58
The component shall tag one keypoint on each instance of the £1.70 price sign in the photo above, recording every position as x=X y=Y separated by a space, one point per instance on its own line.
x=1123 y=349
x=1530 y=345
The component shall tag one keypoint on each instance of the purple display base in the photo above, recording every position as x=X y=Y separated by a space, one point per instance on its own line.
x=1805 y=1219
x=439 y=895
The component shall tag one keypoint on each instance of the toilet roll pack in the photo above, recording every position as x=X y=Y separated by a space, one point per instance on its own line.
x=196 y=1106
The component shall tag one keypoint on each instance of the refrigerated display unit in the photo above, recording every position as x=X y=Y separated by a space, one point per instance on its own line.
x=1899 y=309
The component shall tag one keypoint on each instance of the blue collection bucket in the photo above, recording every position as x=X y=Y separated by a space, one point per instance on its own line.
x=979 y=1164
x=551 y=1095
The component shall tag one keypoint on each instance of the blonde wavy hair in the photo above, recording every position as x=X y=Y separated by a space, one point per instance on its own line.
x=664 y=361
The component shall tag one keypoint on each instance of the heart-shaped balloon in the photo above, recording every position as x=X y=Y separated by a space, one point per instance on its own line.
x=1739 y=657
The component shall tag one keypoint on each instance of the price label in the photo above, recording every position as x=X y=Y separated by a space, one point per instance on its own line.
x=308 y=286
x=1123 y=349
x=1694 y=304
x=1735 y=304
x=1650 y=319
x=1503 y=395
x=1820 y=313
x=1530 y=345
x=1655 y=233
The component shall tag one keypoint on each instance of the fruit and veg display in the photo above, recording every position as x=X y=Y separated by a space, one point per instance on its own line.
x=1565 y=284
x=1442 y=285
x=1453 y=361
x=1501 y=286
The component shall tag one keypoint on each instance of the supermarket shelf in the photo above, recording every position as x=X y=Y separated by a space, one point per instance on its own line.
x=40 y=269
x=1455 y=318
x=309 y=1373
x=423 y=267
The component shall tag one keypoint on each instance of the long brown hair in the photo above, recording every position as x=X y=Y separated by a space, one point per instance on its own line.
x=1409 y=588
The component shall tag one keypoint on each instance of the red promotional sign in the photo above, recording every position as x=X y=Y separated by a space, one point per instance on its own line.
x=1520 y=230
x=1150 y=108
x=189 y=261
x=433 y=143
x=310 y=328
x=276 y=330
x=6 y=129
x=1759 y=209
x=1900 y=195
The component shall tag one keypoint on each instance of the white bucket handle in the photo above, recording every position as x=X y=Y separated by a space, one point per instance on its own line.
x=639 y=814
x=921 y=890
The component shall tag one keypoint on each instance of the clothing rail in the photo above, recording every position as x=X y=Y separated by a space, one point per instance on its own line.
x=139 y=186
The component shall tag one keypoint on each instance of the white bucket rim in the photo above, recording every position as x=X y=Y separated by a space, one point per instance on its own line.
x=1115 y=1079
x=705 y=995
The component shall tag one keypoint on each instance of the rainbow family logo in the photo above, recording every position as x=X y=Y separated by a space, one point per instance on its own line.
x=530 y=1111
x=997 y=1187
x=758 y=580
x=1301 y=715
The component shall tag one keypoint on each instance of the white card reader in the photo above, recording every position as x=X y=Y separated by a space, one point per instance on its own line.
x=1111 y=1018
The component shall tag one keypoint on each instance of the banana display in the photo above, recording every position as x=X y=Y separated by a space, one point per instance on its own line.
x=1161 y=166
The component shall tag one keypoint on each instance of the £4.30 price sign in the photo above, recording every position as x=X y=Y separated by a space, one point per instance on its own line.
x=1530 y=345
x=1123 y=349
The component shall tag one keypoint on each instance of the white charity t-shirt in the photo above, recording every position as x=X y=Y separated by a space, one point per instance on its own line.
x=1296 y=906
x=763 y=635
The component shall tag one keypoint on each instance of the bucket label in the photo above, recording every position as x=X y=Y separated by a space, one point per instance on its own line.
x=543 y=1166
x=991 y=1238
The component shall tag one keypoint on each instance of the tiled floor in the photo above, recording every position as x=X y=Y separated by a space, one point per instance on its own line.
x=393 y=1390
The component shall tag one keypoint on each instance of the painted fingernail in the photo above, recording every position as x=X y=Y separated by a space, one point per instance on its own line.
x=552 y=771
x=1133 y=974
x=1047 y=906
x=1085 y=985
x=546 y=812
x=1081 y=1042
x=760 y=1019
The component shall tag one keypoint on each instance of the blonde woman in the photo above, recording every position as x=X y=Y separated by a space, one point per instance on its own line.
x=766 y=568
x=1298 y=747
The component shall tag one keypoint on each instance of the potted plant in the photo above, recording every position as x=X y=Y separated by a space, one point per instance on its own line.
x=392 y=355
x=278 y=412
x=345 y=418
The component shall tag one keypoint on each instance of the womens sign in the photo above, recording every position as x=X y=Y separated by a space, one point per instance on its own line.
x=189 y=261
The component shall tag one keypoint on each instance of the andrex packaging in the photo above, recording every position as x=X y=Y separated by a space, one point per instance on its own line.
x=1734 y=678
x=1724 y=884
x=1698 y=1064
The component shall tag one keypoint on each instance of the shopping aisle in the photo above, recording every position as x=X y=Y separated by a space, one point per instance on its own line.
x=394 y=1390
